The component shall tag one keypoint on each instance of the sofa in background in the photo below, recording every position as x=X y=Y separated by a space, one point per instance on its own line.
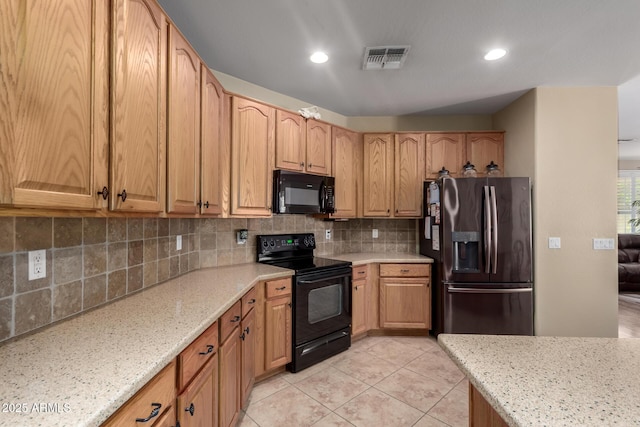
x=628 y=262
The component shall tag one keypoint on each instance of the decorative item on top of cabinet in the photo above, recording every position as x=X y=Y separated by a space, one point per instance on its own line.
x=409 y=174
x=446 y=150
x=54 y=137
x=138 y=106
x=318 y=151
x=347 y=170
x=252 y=157
x=150 y=403
x=378 y=175
x=484 y=148
x=291 y=134
x=211 y=140
x=405 y=296
x=183 y=126
x=359 y=300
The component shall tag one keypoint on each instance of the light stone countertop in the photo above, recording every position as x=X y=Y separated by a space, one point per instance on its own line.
x=85 y=368
x=371 y=257
x=553 y=381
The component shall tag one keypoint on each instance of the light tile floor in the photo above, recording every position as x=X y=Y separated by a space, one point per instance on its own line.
x=379 y=381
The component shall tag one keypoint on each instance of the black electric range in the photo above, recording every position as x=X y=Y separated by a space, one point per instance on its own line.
x=321 y=297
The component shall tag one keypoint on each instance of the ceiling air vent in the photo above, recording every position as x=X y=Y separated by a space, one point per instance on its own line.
x=384 y=57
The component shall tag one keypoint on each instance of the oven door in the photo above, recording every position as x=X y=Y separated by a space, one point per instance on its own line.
x=322 y=304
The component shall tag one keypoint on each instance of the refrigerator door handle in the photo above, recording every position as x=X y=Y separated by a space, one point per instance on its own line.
x=494 y=229
x=487 y=230
x=487 y=291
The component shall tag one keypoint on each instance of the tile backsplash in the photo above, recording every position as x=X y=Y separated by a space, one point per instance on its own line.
x=92 y=261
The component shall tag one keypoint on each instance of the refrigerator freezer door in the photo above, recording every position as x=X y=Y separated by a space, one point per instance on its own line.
x=480 y=309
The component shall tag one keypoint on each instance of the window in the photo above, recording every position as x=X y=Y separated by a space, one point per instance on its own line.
x=628 y=191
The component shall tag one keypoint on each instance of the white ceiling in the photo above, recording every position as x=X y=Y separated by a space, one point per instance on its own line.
x=550 y=43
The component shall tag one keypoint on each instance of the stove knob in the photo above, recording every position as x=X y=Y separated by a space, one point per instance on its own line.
x=265 y=244
x=272 y=243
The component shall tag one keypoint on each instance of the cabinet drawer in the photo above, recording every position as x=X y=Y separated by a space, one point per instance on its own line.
x=229 y=320
x=248 y=301
x=196 y=355
x=161 y=390
x=359 y=272
x=276 y=288
x=404 y=270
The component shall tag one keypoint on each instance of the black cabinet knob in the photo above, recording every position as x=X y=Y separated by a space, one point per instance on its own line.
x=123 y=195
x=104 y=193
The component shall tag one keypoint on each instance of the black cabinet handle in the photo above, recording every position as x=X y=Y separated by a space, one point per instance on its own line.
x=281 y=289
x=242 y=336
x=154 y=413
x=123 y=195
x=235 y=319
x=206 y=204
x=310 y=165
x=247 y=330
x=191 y=409
x=361 y=272
x=209 y=350
x=289 y=305
x=302 y=164
x=252 y=301
x=104 y=193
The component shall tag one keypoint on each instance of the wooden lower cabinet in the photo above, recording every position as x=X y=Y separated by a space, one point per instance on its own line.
x=405 y=296
x=278 y=324
x=248 y=367
x=359 y=296
x=197 y=403
x=150 y=403
x=481 y=413
x=229 y=401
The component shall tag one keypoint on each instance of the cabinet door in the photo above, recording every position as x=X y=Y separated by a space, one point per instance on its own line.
x=53 y=103
x=405 y=302
x=358 y=306
x=248 y=371
x=483 y=148
x=212 y=98
x=378 y=175
x=197 y=404
x=252 y=158
x=277 y=332
x=229 y=393
x=183 y=122
x=445 y=150
x=291 y=135
x=318 y=148
x=138 y=106
x=409 y=174
x=347 y=168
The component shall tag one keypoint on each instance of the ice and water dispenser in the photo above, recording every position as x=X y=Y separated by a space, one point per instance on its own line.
x=466 y=251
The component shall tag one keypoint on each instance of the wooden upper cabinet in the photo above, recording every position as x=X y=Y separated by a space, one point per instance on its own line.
x=252 y=157
x=318 y=156
x=445 y=149
x=378 y=175
x=485 y=147
x=409 y=174
x=212 y=99
x=347 y=169
x=54 y=103
x=183 y=126
x=291 y=134
x=138 y=106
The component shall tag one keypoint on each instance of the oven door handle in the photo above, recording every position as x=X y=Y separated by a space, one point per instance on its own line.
x=322 y=279
x=327 y=340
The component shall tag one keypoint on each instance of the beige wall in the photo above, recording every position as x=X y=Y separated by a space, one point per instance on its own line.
x=360 y=124
x=574 y=161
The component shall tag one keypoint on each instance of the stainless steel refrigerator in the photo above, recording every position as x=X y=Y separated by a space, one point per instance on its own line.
x=478 y=230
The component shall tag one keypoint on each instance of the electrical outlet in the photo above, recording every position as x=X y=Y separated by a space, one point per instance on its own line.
x=242 y=236
x=327 y=234
x=374 y=233
x=554 y=243
x=37 y=264
x=178 y=243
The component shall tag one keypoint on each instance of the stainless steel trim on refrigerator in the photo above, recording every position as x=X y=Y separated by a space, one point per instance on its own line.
x=487 y=291
x=487 y=230
x=494 y=229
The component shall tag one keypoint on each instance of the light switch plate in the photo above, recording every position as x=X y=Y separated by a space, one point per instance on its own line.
x=554 y=243
x=603 y=244
x=374 y=233
x=327 y=234
x=178 y=243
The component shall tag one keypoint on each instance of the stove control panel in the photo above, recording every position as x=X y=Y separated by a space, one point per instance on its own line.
x=286 y=242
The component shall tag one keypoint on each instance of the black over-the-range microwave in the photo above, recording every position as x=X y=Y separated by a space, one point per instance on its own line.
x=302 y=193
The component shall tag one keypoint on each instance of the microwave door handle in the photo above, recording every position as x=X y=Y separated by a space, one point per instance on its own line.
x=323 y=197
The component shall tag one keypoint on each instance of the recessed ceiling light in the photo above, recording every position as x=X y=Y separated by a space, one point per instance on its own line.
x=319 y=57
x=494 y=54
